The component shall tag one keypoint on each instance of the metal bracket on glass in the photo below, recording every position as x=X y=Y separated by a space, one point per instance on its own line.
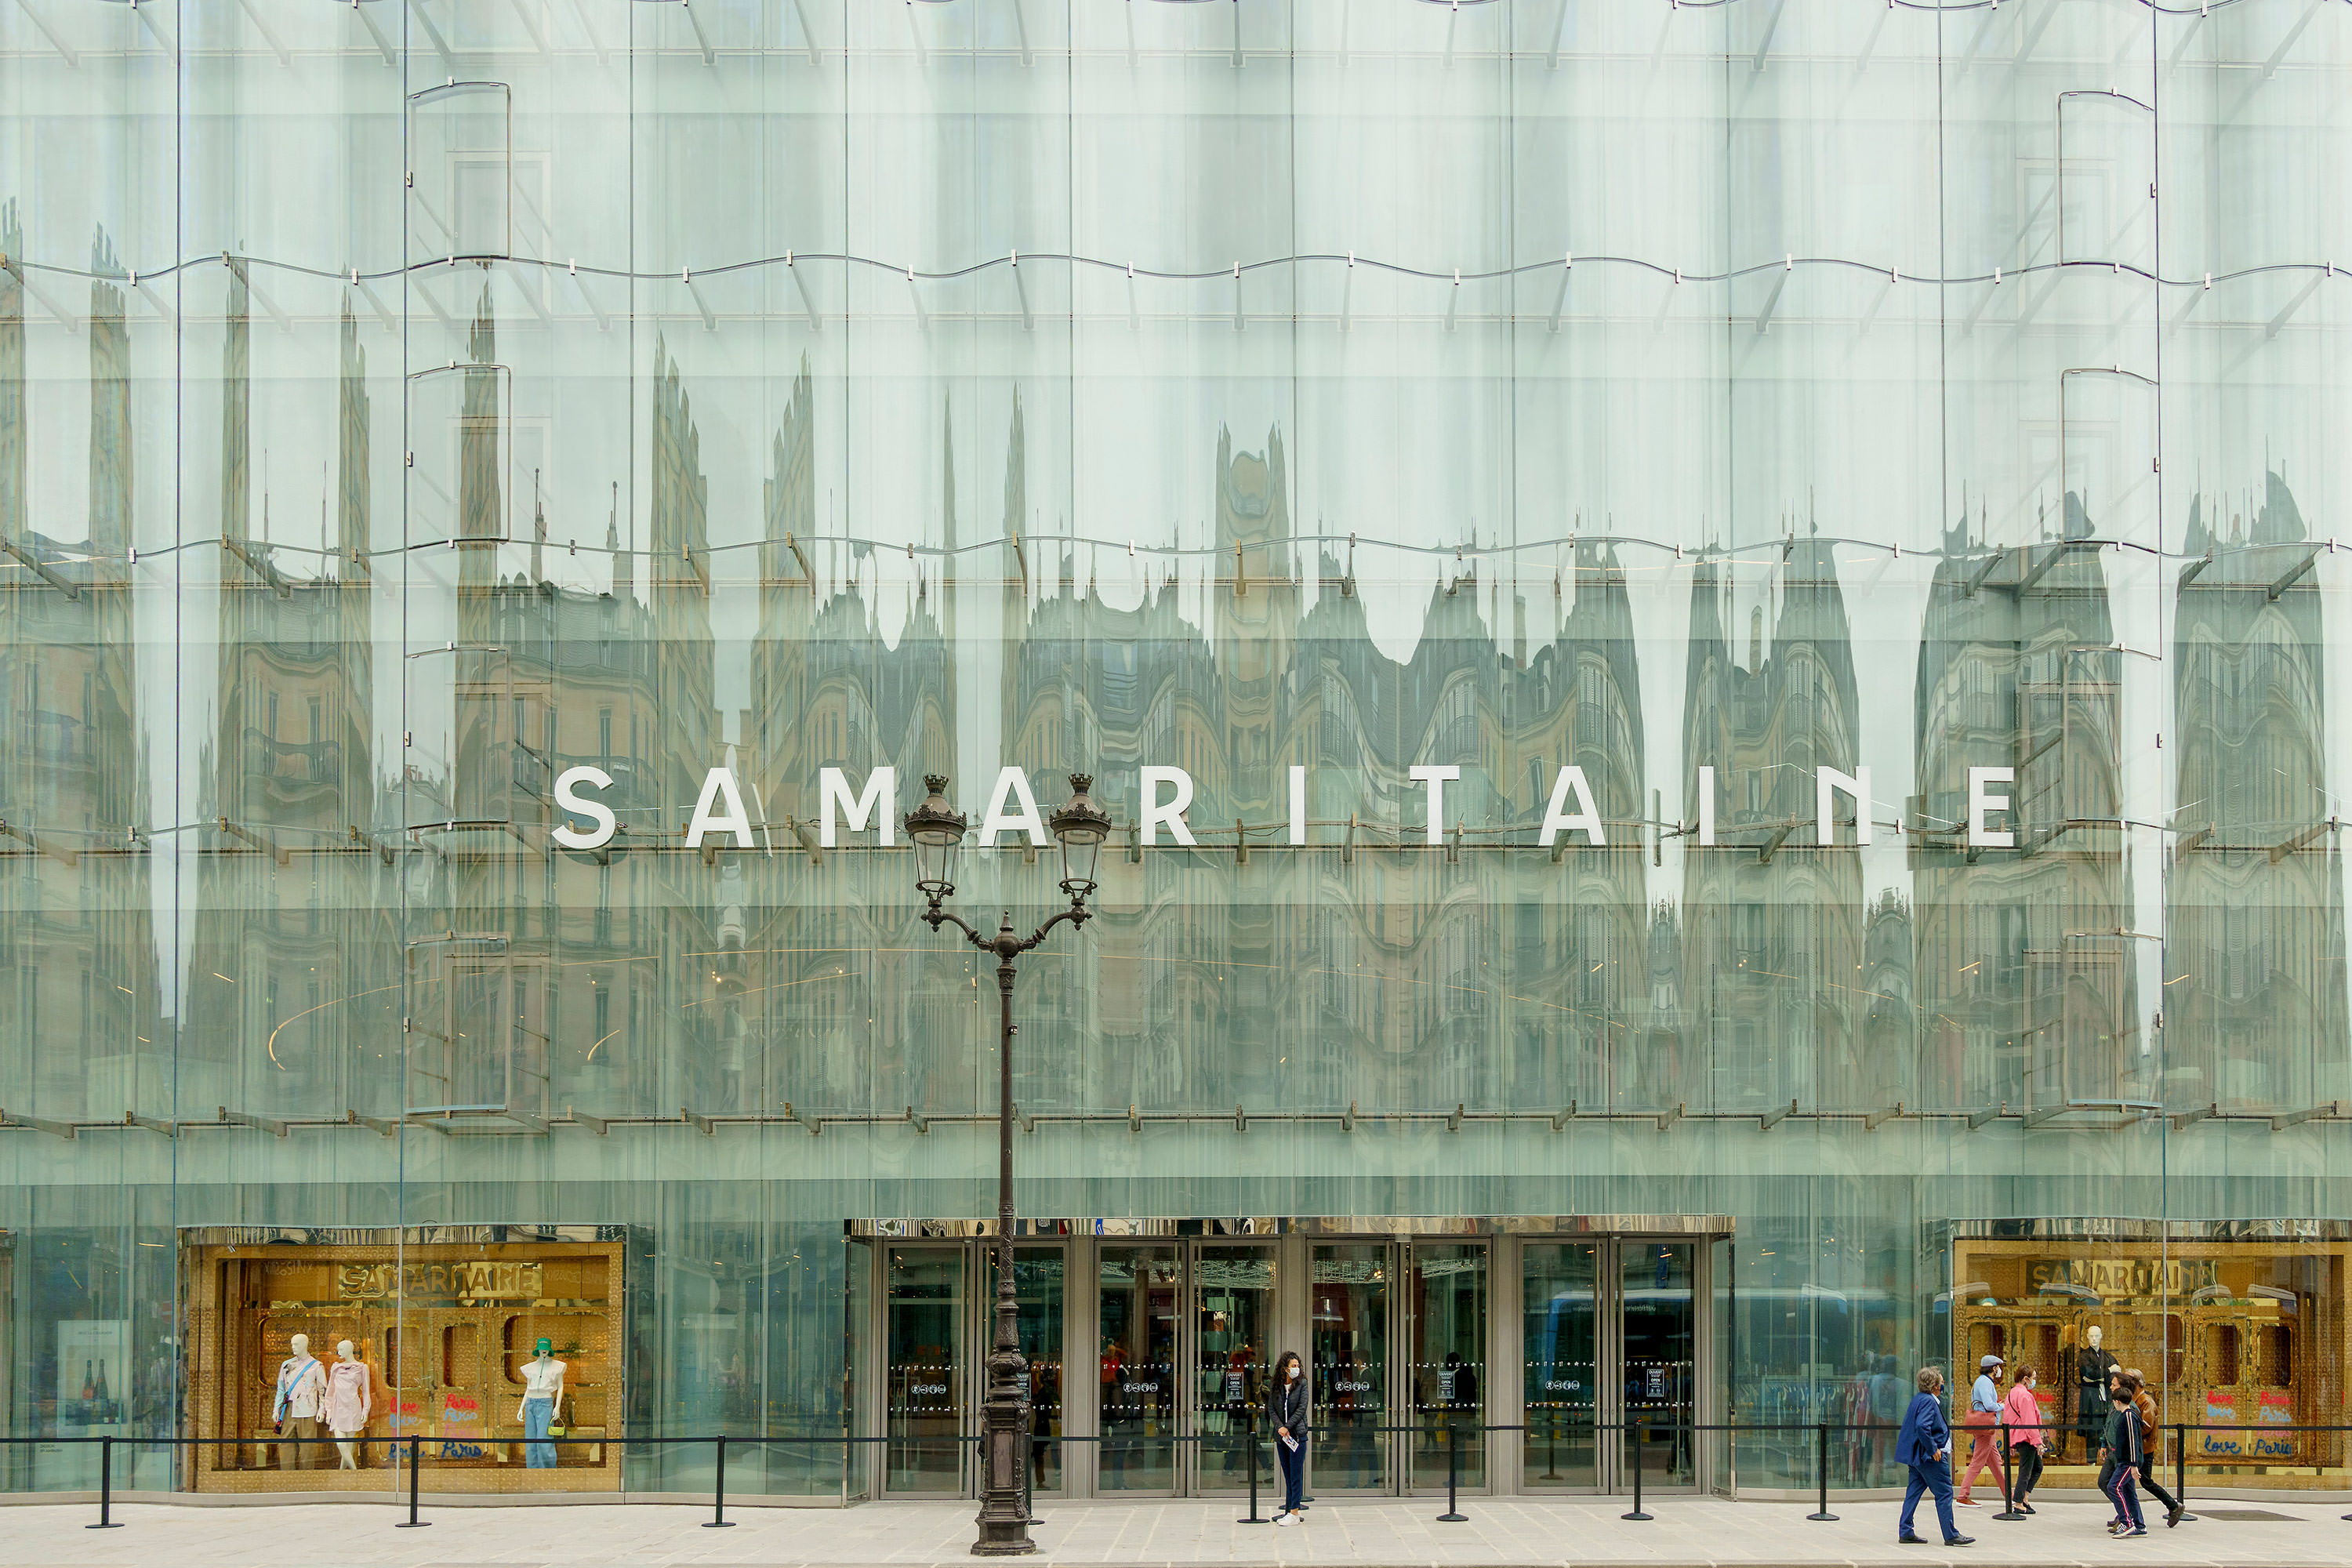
x=64 y=1130
x=269 y=1124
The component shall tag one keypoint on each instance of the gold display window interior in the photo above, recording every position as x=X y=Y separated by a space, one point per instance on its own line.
x=445 y=1332
x=2243 y=1339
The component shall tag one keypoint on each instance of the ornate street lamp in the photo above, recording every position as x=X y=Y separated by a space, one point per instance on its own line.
x=937 y=831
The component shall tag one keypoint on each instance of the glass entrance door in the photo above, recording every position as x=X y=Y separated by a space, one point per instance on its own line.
x=1559 y=1290
x=1232 y=1323
x=925 y=1325
x=1137 y=1304
x=1609 y=1341
x=1348 y=1361
x=1657 y=1312
x=1446 y=1363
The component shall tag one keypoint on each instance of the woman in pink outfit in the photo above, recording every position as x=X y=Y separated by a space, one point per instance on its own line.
x=2022 y=1413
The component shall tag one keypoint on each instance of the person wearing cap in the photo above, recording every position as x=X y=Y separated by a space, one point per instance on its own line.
x=1984 y=1436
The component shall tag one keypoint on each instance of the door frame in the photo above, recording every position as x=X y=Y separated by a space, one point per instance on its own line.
x=1191 y=1448
x=1388 y=1445
x=878 y=1328
x=982 y=1268
x=1403 y=1406
x=1609 y=1357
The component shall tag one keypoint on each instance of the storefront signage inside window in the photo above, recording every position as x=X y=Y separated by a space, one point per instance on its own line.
x=486 y=1279
x=2113 y=1279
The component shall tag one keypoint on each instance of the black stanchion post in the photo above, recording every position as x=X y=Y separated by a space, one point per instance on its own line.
x=415 y=1461
x=1250 y=1440
x=1822 y=1474
x=718 y=1520
x=105 y=1487
x=1453 y=1514
x=2180 y=1470
x=1641 y=1441
x=2005 y=1463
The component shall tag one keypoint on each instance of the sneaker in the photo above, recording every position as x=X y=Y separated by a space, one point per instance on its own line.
x=1293 y=1519
x=2172 y=1515
x=1966 y=1502
x=2141 y=1531
x=1960 y=1540
x=1910 y=1541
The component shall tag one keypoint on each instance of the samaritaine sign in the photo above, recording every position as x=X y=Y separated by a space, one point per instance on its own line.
x=1167 y=794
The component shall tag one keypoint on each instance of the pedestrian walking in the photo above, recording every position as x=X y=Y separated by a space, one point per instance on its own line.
x=1286 y=1413
x=2021 y=1413
x=1984 y=1433
x=2124 y=1455
x=2152 y=1443
x=1925 y=1447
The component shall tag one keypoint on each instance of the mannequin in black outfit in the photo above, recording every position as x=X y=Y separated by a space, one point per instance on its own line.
x=2093 y=1367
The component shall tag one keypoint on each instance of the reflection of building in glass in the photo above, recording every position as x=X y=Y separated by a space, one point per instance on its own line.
x=1773 y=925
x=1403 y=1001
x=1597 y=972
x=2254 y=999
x=80 y=1032
x=2026 y=993
x=290 y=1000
x=826 y=990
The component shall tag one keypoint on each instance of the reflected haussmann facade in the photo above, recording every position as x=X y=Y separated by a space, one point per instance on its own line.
x=1891 y=455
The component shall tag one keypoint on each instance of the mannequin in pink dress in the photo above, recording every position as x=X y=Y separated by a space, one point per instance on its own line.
x=350 y=1401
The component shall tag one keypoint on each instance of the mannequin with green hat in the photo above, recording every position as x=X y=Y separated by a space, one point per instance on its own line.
x=542 y=1394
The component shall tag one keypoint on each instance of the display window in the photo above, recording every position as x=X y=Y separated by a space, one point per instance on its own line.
x=315 y=1365
x=2239 y=1342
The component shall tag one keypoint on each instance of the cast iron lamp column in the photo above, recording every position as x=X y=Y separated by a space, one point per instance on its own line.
x=937 y=831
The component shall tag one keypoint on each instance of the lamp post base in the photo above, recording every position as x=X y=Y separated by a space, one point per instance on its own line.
x=1004 y=1423
x=1015 y=1545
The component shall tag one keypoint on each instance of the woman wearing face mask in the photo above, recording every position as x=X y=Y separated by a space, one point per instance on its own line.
x=1286 y=1413
x=2023 y=1413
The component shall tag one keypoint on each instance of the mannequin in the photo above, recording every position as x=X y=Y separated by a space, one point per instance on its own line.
x=543 y=1394
x=350 y=1402
x=2092 y=1366
x=301 y=1390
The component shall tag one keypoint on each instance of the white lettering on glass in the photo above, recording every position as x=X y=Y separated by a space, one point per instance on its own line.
x=719 y=788
x=568 y=800
x=1012 y=785
x=1297 y=803
x=1983 y=800
x=1436 y=776
x=1707 y=807
x=881 y=797
x=1856 y=786
x=1557 y=819
x=1170 y=813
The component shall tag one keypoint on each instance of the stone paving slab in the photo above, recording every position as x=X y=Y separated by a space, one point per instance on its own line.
x=1587 y=1532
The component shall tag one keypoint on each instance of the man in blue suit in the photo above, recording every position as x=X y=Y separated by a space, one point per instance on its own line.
x=1924 y=1445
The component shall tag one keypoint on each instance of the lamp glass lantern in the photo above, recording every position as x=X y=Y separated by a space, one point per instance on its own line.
x=1079 y=828
x=936 y=830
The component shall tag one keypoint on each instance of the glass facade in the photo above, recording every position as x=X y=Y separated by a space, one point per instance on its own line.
x=1739 y=427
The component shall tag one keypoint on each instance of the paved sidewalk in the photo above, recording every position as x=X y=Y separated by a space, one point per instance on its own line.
x=1687 y=1530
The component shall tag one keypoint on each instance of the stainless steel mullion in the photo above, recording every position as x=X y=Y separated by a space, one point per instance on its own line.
x=1609 y=1365
x=1392 y=1358
x=1186 y=1355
